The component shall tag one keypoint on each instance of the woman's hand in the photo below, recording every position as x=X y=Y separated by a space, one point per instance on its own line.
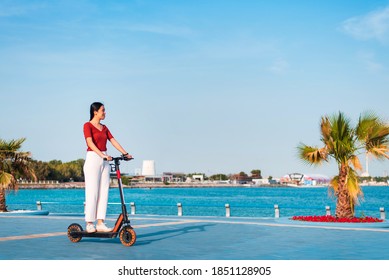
x=107 y=157
x=128 y=156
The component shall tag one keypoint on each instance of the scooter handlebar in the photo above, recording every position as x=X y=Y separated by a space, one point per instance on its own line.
x=119 y=158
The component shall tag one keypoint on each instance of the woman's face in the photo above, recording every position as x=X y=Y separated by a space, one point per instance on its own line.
x=100 y=113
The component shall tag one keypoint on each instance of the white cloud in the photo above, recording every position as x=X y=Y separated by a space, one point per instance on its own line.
x=374 y=25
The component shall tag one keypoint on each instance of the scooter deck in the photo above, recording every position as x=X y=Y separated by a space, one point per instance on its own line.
x=97 y=234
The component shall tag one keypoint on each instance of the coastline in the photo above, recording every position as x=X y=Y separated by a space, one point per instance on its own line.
x=81 y=185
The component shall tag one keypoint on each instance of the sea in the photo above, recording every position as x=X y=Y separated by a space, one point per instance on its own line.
x=205 y=201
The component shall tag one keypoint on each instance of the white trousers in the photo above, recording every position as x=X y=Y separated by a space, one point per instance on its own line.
x=96 y=172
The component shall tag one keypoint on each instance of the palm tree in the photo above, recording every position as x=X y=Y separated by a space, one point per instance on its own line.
x=13 y=163
x=344 y=144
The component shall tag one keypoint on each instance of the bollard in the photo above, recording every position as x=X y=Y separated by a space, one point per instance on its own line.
x=133 y=208
x=179 y=206
x=276 y=211
x=228 y=210
x=328 y=211
x=382 y=213
x=39 y=205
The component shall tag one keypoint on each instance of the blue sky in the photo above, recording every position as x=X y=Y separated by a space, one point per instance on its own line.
x=198 y=86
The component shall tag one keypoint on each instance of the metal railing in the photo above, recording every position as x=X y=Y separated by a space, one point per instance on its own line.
x=227 y=208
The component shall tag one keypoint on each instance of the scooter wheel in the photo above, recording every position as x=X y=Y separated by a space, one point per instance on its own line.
x=127 y=236
x=74 y=228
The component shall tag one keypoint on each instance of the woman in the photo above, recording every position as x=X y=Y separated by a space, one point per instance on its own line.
x=96 y=169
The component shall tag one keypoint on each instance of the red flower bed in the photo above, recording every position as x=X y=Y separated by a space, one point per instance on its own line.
x=332 y=219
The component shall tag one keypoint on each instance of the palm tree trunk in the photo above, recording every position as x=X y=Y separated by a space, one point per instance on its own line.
x=344 y=208
x=3 y=207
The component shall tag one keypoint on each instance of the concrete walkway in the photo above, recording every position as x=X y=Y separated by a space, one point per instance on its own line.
x=195 y=238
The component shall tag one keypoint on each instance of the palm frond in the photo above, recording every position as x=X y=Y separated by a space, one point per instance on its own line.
x=341 y=127
x=352 y=185
x=373 y=133
x=354 y=160
x=354 y=188
x=380 y=151
x=14 y=162
x=16 y=144
x=365 y=124
x=10 y=147
x=6 y=180
x=325 y=129
x=344 y=140
x=334 y=184
x=312 y=155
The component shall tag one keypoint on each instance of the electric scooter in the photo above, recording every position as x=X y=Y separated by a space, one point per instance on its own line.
x=122 y=226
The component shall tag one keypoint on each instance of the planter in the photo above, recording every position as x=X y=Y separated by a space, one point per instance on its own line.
x=333 y=219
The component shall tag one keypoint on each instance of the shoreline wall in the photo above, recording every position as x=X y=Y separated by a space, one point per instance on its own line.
x=81 y=185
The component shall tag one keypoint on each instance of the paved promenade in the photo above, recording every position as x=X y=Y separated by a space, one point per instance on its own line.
x=195 y=238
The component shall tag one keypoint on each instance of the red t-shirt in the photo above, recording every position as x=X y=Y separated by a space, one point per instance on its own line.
x=99 y=138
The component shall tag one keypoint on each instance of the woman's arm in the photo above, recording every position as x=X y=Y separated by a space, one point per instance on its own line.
x=119 y=147
x=94 y=148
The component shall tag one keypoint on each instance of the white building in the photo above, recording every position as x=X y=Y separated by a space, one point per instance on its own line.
x=148 y=168
x=305 y=179
x=198 y=177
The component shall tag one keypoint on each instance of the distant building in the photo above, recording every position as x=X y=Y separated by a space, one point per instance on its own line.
x=198 y=177
x=305 y=179
x=148 y=168
x=240 y=179
x=173 y=177
x=262 y=181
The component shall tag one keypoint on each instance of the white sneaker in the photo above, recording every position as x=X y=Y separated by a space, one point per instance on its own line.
x=103 y=228
x=90 y=228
